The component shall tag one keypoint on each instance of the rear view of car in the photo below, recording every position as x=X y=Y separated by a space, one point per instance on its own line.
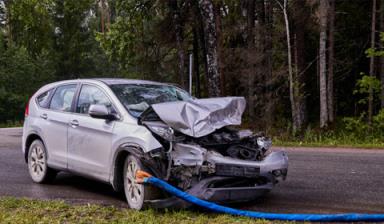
x=107 y=129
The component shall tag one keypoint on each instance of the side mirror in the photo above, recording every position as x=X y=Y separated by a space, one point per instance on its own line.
x=100 y=112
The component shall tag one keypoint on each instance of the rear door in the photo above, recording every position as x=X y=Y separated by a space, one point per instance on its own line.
x=54 y=124
x=90 y=139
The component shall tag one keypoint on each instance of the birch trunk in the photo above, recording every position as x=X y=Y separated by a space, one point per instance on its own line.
x=294 y=112
x=323 y=7
x=217 y=11
x=213 y=76
x=330 y=97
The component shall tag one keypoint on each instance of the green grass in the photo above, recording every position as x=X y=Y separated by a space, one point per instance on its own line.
x=13 y=210
x=11 y=124
x=330 y=138
x=347 y=144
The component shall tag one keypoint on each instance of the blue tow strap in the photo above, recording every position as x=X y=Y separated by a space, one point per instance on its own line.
x=350 y=217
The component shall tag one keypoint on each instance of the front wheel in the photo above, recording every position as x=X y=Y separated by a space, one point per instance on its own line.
x=37 y=163
x=135 y=193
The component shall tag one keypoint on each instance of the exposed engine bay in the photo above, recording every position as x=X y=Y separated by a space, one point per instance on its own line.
x=224 y=165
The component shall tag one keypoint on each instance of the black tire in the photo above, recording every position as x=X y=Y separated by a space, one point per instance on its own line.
x=136 y=194
x=37 y=163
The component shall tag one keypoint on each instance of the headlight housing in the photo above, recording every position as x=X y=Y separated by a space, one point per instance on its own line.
x=264 y=142
x=165 y=132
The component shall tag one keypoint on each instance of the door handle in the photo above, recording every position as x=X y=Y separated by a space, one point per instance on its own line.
x=74 y=123
x=44 y=116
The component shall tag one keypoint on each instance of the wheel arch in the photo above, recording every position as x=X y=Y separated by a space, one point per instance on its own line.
x=31 y=138
x=116 y=177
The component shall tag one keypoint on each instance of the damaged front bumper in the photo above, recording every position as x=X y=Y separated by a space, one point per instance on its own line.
x=273 y=165
x=234 y=180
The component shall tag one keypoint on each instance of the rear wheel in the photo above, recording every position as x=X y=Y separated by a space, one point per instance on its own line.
x=135 y=193
x=37 y=163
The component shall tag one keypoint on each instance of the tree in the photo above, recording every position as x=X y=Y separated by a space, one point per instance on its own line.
x=300 y=66
x=251 y=56
x=372 y=60
x=331 y=55
x=382 y=58
x=31 y=24
x=73 y=40
x=105 y=14
x=178 y=30
x=213 y=76
x=323 y=9
x=295 y=86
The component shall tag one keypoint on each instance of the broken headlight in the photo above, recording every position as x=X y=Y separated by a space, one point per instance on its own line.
x=166 y=133
x=264 y=142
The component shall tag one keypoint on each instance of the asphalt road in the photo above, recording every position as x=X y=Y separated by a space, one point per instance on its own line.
x=321 y=180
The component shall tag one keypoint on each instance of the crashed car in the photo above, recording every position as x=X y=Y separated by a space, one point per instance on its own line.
x=107 y=129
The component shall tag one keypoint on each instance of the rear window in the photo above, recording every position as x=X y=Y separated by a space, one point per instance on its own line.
x=63 y=97
x=43 y=99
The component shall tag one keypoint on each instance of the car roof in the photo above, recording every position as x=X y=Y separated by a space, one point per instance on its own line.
x=114 y=81
x=106 y=81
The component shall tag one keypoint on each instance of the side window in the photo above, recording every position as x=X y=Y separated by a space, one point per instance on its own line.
x=63 y=97
x=43 y=99
x=91 y=95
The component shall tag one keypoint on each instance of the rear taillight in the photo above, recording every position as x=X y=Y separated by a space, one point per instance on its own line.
x=26 y=113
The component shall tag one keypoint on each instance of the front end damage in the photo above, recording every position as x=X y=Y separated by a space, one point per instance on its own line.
x=223 y=165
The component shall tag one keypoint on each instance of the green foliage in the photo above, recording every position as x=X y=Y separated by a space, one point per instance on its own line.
x=350 y=132
x=32 y=25
x=20 y=76
x=359 y=128
x=139 y=42
x=73 y=41
x=372 y=52
x=51 y=40
x=363 y=86
x=61 y=39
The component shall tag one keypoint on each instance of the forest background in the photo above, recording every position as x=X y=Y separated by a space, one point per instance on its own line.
x=312 y=71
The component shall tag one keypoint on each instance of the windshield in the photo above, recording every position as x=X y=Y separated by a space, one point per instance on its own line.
x=138 y=97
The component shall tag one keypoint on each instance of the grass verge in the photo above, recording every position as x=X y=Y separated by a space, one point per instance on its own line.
x=278 y=142
x=14 y=210
x=11 y=124
x=340 y=138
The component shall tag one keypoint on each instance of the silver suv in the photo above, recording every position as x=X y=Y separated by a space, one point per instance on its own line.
x=107 y=129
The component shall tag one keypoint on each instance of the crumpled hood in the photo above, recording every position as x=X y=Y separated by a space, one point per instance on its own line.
x=200 y=117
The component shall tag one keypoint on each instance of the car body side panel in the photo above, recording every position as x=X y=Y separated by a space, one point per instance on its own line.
x=55 y=131
x=127 y=133
x=89 y=146
x=134 y=133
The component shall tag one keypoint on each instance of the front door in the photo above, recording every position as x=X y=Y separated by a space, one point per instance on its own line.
x=90 y=139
